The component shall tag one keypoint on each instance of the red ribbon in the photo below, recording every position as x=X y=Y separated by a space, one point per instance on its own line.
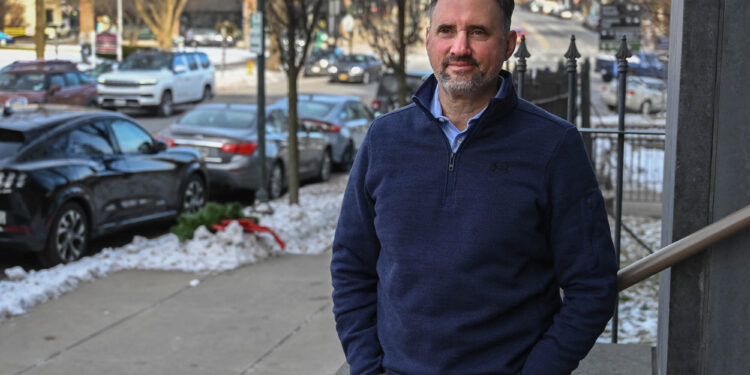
x=250 y=227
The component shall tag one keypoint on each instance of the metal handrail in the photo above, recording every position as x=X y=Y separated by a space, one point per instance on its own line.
x=683 y=248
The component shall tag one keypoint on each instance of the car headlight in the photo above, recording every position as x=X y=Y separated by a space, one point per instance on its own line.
x=18 y=100
x=147 y=81
x=101 y=80
x=355 y=70
x=323 y=63
x=332 y=69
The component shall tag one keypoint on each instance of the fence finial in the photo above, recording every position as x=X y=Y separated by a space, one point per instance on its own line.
x=572 y=53
x=522 y=54
x=622 y=56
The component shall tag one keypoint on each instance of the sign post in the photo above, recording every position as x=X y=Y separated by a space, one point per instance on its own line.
x=617 y=19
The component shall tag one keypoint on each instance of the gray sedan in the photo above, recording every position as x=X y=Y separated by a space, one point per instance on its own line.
x=226 y=136
x=356 y=68
x=342 y=120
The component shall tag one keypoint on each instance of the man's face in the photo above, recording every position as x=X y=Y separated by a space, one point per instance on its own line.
x=466 y=44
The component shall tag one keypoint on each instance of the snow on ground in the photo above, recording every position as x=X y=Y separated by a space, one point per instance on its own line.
x=306 y=229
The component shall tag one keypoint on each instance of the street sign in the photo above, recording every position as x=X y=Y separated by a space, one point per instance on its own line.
x=617 y=19
x=256 y=33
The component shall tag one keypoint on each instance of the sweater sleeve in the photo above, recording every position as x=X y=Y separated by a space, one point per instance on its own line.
x=353 y=271
x=584 y=261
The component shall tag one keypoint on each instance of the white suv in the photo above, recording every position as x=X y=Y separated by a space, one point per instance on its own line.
x=157 y=80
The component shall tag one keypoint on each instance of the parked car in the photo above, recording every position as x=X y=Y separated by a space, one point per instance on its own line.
x=57 y=30
x=644 y=94
x=68 y=175
x=206 y=37
x=356 y=68
x=320 y=60
x=226 y=136
x=102 y=66
x=642 y=63
x=343 y=121
x=5 y=39
x=45 y=81
x=158 y=80
x=386 y=95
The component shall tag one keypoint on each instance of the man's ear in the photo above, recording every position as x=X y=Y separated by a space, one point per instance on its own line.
x=427 y=35
x=510 y=44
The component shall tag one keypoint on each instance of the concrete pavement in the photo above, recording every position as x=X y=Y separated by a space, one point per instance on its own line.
x=269 y=318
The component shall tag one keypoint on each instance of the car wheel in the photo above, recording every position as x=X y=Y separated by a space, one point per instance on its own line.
x=366 y=78
x=206 y=94
x=347 y=158
x=68 y=236
x=324 y=173
x=612 y=108
x=646 y=108
x=166 y=107
x=194 y=195
x=276 y=181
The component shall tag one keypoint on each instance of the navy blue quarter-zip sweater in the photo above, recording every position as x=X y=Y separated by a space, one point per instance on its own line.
x=451 y=263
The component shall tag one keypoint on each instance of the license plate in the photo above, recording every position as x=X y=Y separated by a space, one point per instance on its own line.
x=120 y=102
x=343 y=77
x=2 y=218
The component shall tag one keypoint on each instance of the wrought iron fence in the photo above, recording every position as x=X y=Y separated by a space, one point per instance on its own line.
x=639 y=152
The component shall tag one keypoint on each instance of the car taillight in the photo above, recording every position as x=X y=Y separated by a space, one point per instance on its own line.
x=631 y=92
x=15 y=229
x=376 y=105
x=246 y=148
x=604 y=88
x=323 y=126
x=169 y=141
x=12 y=179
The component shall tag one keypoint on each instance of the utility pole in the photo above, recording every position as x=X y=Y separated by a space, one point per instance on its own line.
x=39 y=29
x=261 y=63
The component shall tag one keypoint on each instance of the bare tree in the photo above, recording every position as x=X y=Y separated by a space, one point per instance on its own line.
x=292 y=22
x=390 y=30
x=12 y=12
x=39 y=29
x=160 y=16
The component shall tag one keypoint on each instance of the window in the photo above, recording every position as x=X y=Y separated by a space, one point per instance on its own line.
x=146 y=61
x=57 y=79
x=361 y=111
x=192 y=61
x=89 y=139
x=205 y=62
x=219 y=118
x=72 y=78
x=132 y=139
x=276 y=122
x=178 y=61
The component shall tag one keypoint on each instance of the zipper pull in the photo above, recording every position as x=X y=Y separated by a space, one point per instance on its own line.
x=452 y=162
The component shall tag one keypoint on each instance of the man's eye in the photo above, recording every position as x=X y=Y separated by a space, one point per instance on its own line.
x=443 y=30
x=478 y=32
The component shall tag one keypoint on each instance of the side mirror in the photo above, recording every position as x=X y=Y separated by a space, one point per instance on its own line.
x=54 y=89
x=160 y=146
x=180 y=69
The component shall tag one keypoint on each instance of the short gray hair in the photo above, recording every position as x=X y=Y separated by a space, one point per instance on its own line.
x=506 y=6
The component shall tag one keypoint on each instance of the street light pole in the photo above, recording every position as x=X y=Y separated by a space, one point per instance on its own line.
x=261 y=60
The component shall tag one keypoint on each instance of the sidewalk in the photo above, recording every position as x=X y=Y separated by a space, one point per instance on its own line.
x=271 y=318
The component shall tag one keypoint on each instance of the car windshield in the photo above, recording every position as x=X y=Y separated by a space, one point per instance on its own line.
x=18 y=81
x=353 y=58
x=313 y=109
x=8 y=149
x=219 y=118
x=151 y=61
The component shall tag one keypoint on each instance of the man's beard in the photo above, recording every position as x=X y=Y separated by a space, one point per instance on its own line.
x=463 y=83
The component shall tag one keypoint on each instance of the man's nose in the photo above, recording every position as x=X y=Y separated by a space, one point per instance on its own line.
x=460 y=46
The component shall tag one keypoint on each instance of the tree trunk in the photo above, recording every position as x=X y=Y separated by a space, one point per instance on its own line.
x=41 y=22
x=273 y=62
x=401 y=68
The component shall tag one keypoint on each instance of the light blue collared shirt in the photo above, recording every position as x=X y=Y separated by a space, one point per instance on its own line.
x=455 y=137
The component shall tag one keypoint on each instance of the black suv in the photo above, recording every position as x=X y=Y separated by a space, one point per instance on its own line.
x=67 y=175
x=386 y=97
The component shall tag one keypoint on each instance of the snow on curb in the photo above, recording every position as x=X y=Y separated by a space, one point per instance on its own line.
x=307 y=229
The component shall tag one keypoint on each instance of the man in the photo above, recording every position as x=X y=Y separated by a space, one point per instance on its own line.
x=465 y=214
